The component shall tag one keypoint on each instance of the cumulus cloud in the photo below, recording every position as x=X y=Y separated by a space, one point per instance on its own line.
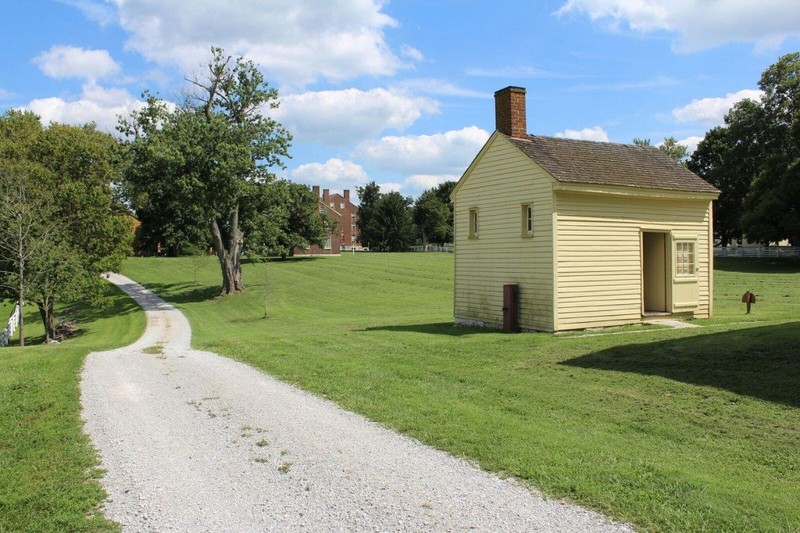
x=332 y=171
x=390 y=186
x=350 y=115
x=691 y=143
x=711 y=111
x=699 y=24
x=96 y=104
x=596 y=133
x=297 y=41
x=428 y=181
x=442 y=153
x=73 y=62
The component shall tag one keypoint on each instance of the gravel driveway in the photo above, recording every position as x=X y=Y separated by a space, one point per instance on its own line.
x=192 y=441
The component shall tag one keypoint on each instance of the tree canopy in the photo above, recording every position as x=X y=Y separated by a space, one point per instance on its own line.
x=754 y=160
x=61 y=224
x=204 y=158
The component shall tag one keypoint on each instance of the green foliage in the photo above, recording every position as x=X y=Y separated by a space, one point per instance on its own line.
x=676 y=151
x=682 y=430
x=753 y=160
x=281 y=216
x=48 y=468
x=368 y=196
x=730 y=158
x=392 y=223
x=433 y=214
x=61 y=223
x=193 y=166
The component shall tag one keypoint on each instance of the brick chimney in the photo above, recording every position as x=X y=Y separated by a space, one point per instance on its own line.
x=315 y=190
x=325 y=193
x=509 y=112
x=346 y=195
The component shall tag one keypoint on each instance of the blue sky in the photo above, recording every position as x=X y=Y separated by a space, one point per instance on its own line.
x=401 y=92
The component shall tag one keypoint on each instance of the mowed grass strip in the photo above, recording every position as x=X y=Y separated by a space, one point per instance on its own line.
x=673 y=430
x=48 y=468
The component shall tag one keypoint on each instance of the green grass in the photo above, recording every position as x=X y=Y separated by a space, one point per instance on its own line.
x=48 y=468
x=669 y=429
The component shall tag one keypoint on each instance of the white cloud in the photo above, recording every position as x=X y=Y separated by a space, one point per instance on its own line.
x=412 y=53
x=711 y=111
x=691 y=143
x=656 y=82
x=96 y=104
x=72 y=62
x=596 y=133
x=332 y=171
x=351 y=115
x=428 y=181
x=700 y=24
x=6 y=95
x=101 y=13
x=442 y=153
x=390 y=186
x=296 y=41
x=441 y=88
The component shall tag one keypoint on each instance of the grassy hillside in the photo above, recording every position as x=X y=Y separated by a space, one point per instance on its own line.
x=47 y=465
x=670 y=429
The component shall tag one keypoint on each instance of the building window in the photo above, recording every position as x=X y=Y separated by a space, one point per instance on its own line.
x=685 y=258
x=333 y=204
x=328 y=243
x=527 y=220
x=322 y=209
x=473 y=223
x=341 y=205
x=353 y=229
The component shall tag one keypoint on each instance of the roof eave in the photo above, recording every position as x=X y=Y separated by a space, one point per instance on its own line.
x=620 y=190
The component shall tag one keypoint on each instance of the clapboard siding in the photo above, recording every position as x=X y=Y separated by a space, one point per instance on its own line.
x=599 y=262
x=500 y=181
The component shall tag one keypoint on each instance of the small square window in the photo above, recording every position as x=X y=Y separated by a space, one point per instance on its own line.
x=473 y=223
x=685 y=258
x=341 y=205
x=527 y=220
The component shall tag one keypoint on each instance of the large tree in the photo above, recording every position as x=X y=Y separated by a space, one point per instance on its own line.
x=281 y=216
x=433 y=214
x=60 y=212
x=754 y=161
x=368 y=197
x=772 y=209
x=393 y=223
x=730 y=158
x=207 y=153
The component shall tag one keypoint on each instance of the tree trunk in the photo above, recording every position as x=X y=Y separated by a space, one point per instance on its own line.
x=20 y=301
x=230 y=259
x=46 y=312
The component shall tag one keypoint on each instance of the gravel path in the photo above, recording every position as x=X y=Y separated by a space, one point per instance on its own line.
x=192 y=441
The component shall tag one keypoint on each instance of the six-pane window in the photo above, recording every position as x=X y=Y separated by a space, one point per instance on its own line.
x=684 y=258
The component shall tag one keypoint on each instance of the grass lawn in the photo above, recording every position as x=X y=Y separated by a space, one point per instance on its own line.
x=669 y=429
x=47 y=465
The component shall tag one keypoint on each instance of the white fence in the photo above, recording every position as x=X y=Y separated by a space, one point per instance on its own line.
x=433 y=248
x=791 y=252
x=11 y=327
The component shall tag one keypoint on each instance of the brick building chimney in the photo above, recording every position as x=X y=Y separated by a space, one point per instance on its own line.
x=346 y=195
x=509 y=112
x=315 y=190
x=325 y=193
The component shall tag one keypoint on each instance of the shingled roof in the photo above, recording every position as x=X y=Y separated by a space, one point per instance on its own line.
x=602 y=163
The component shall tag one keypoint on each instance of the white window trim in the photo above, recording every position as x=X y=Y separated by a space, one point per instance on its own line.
x=677 y=242
x=526 y=220
x=474 y=223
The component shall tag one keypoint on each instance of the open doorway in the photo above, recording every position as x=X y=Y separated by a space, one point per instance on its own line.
x=654 y=272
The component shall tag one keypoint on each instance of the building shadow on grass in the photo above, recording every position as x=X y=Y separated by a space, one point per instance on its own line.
x=439 y=328
x=761 y=362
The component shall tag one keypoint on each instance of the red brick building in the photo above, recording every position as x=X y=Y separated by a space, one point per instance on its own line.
x=345 y=213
